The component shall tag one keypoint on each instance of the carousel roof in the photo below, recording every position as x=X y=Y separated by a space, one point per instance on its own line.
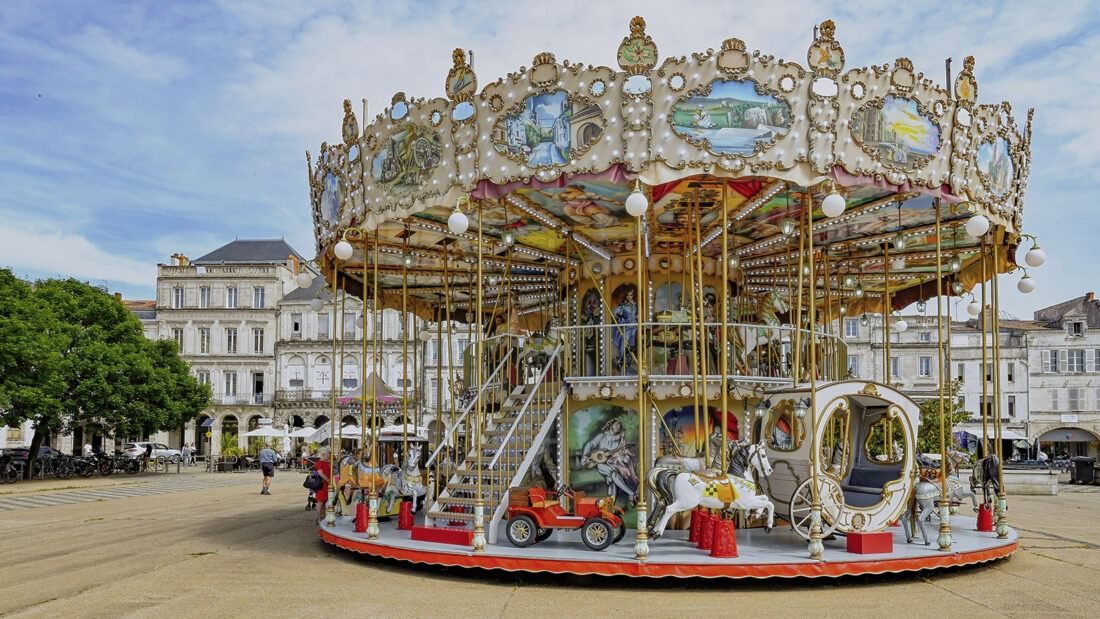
x=541 y=163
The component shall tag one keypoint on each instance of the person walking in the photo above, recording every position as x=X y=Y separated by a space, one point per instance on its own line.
x=268 y=457
x=185 y=452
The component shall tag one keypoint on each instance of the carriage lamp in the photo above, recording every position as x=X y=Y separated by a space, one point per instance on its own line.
x=977 y=225
x=1026 y=284
x=843 y=309
x=761 y=409
x=735 y=261
x=955 y=264
x=899 y=241
x=800 y=409
x=864 y=321
x=858 y=291
x=636 y=202
x=833 y=204
x=408 y=260
x=787 y=226
x=806 y=270
x=849 y=280
x=957 y=287
x=508 y=238
x=922 y=306
x=458 y=222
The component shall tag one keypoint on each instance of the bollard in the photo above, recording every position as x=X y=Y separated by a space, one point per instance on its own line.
x=405 y=516
x=725 y=540
x=985 y=519
x=696 y=521
x=706 y=532
x=362 y=516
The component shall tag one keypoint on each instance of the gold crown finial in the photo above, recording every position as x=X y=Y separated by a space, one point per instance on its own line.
x=736 y=45
x=545 y=58
x=828 y=28
x=347 y=106
x=459 y=57
x=637 y=26
x=968 y=64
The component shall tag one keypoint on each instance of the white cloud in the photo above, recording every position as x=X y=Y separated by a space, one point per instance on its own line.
x=49 y=251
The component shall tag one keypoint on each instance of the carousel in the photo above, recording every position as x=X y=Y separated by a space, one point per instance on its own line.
x=653 y=265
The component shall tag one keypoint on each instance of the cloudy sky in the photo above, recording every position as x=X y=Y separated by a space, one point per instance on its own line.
x=132 y=130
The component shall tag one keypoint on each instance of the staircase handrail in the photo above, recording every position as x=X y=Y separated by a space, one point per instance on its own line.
x=526 y=404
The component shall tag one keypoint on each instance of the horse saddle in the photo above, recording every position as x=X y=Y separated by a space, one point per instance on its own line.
x=723 y=490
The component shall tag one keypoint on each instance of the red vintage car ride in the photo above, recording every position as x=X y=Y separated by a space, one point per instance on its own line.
x=534 y=513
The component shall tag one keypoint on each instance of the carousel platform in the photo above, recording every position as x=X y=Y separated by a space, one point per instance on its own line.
x=779 y=554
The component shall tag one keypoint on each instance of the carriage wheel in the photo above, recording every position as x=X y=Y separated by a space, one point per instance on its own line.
x=832 y=506
x=521 y=531
x=596 y=533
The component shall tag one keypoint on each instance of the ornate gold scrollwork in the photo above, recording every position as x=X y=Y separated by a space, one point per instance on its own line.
x=870 y=389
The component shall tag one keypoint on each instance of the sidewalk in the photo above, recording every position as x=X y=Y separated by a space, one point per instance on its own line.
x=227 y=550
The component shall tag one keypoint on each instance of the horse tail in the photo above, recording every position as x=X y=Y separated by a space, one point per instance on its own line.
x=992 y=466
x=657 y=481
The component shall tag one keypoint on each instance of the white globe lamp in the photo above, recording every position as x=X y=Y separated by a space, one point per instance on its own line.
x=1026 y=284
x=833 y=204
x=342 y=250
x=977 y=225
x=637 y=203
x=974 y=308
x=304 y=279
x=317 y=305
x=458 y=222
x=900 y=325
x=1035 y=257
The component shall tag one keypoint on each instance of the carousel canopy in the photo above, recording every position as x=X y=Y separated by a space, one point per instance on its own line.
x=525 y=184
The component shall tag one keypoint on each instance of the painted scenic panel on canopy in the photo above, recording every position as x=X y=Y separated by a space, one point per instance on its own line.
x=408 y=159
x=595 y=208
x=732 y=119
x=895 y=131
x=548 y=129
x=995 y=166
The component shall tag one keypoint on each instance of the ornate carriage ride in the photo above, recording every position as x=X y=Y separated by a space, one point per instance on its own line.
x=653 y=267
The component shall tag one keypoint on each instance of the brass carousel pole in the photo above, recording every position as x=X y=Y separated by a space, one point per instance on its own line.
x=376 y=343
x=702 y=345
x=944 y=539
x=816 y=547
x=886 y=314
x=641 y=542
x=985 y=358
x=405 y=351
x=330 y=512
x=723 y=340
x=1002 y=504
x=479 y=505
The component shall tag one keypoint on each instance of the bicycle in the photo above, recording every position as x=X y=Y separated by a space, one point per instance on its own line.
x=158 y=464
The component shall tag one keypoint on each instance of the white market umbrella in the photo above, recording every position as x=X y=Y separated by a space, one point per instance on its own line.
x=266 y=431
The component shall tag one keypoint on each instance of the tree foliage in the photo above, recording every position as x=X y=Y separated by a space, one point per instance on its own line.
x=928 y=435
x=73 y=356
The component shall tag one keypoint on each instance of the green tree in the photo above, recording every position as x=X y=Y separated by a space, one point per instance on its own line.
x=99 y=371
x=928 y=436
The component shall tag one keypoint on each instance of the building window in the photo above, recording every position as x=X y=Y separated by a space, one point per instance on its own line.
x=323 y=326
x=987 y=408
x=296 y=325
x=1010 y=371
x=1075 y=401
x=1053 y=399
x=895 y=368
x=177 y=336
x=231 y=384
x=925 y=336
x=231 y=341
x=231 y=297
x=177 y=297
x=924 y=366
x=1050 y=361
x=15 y=434
x=204 y=340
x=204 y=297
x=851 y=327
x=258 y=297
x=1011 y=406
x=258 y=341
x=853 y=366
x=1076 y=328
x=1075 y=361
x=349 y=326
x=203 y=377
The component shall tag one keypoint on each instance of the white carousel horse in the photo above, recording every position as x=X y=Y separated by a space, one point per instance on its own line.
x=923 y=505
x=407 y=480
x=676 y=490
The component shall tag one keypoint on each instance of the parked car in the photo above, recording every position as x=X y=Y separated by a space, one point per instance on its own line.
x=160 y=450
x=19 y=454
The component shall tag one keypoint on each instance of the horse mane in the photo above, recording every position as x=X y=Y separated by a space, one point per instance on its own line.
x=739 y=459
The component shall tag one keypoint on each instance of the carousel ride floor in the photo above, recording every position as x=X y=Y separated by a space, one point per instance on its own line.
x=778 y=554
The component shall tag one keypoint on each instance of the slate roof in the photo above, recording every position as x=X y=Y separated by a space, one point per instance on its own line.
x=253 y=251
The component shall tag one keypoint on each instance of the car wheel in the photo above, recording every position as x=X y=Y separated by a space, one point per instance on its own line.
x=596 y=533
x=521 y=531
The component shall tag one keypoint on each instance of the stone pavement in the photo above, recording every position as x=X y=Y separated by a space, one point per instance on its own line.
x=210 y=545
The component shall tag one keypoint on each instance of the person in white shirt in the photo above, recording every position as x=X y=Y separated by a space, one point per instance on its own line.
x=88 y=450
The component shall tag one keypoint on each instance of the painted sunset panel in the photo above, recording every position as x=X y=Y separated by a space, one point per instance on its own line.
x=896 y=133
x=733 y=119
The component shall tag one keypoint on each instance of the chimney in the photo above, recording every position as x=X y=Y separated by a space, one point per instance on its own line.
x=118 y=295
x=1089 y=296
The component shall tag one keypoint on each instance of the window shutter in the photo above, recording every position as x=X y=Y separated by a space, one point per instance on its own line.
x=1046 y=361
x=1090 y=360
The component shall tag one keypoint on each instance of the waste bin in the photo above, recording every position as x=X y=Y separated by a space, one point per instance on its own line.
x=1083 y=471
